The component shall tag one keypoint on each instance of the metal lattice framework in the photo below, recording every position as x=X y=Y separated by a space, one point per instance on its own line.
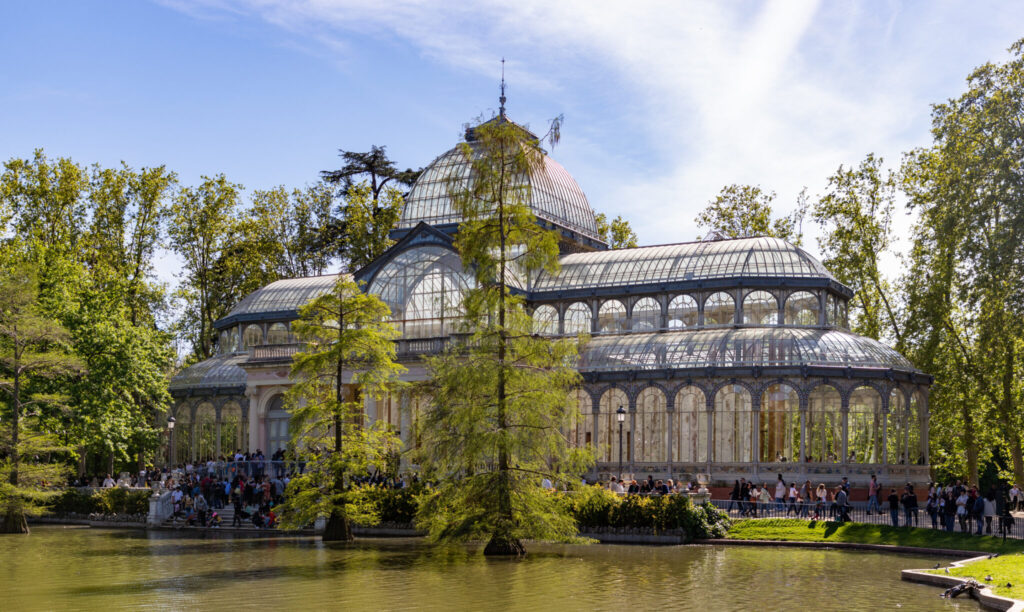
x=554 y=195
x=762 y=257
x=737 y=347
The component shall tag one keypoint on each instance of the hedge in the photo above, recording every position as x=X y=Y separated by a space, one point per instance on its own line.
x=115 y=500
x=593 y=508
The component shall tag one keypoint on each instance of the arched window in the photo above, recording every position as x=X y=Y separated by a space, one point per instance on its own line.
x=204 y=441
x=864 y=427
x=278 y=334
x=609 y=427
x=278 y=418
x=253 y=335
x=841 y=315
x=691 y=427
x=651 y=426
x=577 y=319
x=719 y=309
x=545 y=320
x=682 y=312
x=802 y=308
x=824 y=425
x=731 y=429
x=234 y=434
x=611 y=317
x=583 y=425
x=224 y=342
x=760 y=308
x=646 y=315
x=917 y=423
x=423 y=287
x=896 y=429
x=181 y=435
x=780 y=424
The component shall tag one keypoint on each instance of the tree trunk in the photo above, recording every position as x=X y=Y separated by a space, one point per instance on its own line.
x=14 y=522
x=504 y=547
x=15 y=432
x=337 y=529
x=970 y=442
x=1012 y=434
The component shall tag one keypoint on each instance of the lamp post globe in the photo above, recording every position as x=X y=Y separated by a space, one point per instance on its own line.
x=620 y=416
x=170 y=438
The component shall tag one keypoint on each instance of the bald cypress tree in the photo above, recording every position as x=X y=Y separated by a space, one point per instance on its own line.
x=501 y=400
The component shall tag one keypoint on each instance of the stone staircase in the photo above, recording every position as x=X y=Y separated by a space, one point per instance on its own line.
x=227 y=515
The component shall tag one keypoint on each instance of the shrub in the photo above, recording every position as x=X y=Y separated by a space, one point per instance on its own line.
x=102 y=501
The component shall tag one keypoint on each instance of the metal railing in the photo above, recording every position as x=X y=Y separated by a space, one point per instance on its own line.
x=858 y=512
x=249 y=469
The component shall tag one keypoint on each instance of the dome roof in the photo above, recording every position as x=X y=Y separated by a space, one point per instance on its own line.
x=554 y=195
x=219 y=372
x=281 y=298
x=738 y=347
x=740 y=258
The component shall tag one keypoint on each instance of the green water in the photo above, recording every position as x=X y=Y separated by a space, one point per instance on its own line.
x=92 y=569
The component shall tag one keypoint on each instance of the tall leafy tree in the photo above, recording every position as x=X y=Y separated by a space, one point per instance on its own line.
x=618 y=233
x=202 y=219
x=46 y=202
x=368 y=223
x=33 y=352
x=501 y=400
x=856 y=218
x=349 y=345
x=374 y=166
x=968 y=189
x=747 y=210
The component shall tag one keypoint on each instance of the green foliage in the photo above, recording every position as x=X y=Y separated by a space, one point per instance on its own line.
x=856 y=218
x=965 y=286
x=115 y=500
x=367 y=222
x=596 y=507
x=501 y=400
x=396 y=506
x=618 y=234
x=746 y=210
x=200 y=232
x=348 y=342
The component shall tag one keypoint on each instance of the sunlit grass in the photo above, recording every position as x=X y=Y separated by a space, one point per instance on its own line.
x=796 y=530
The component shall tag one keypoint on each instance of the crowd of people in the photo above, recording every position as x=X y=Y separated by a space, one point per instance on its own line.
x=650 y=486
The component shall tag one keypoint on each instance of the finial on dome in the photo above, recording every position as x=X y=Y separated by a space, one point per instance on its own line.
x=501 y=109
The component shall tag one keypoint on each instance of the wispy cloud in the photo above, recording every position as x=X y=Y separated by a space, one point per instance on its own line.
x=776 y=93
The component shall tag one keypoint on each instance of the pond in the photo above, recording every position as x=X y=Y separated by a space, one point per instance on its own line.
x=58 y=568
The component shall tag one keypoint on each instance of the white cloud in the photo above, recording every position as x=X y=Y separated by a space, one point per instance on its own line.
x=777 y=93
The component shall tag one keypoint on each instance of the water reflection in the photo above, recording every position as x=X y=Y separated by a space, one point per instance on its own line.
x=89 y=569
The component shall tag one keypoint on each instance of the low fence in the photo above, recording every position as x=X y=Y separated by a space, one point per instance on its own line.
x=858 y=512
x=249 y=469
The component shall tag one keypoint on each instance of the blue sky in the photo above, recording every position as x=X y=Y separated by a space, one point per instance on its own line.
x=664 y=102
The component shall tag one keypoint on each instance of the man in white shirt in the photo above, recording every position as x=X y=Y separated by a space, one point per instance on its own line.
x=108 y=482
x=780 y=494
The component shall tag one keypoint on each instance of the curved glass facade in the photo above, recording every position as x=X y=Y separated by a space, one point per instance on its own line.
x=730 y=357
x=554 y=195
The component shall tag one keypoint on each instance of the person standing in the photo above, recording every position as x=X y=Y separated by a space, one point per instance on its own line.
x=841 y=503
x=894 y=508
x=820 y=499
x=780 y=494
x=909 y=501
x=873 y=495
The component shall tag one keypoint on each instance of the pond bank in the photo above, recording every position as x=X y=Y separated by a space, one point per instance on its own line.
x=986 y=596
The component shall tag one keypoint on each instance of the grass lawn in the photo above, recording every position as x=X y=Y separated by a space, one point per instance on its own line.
x=1004 y=570
x=796 y=530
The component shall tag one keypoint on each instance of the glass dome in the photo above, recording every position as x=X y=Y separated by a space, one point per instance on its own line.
x=740 y=347
x=280 y=297
x=689 y=261
x=220 y=372
x=555 y=196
